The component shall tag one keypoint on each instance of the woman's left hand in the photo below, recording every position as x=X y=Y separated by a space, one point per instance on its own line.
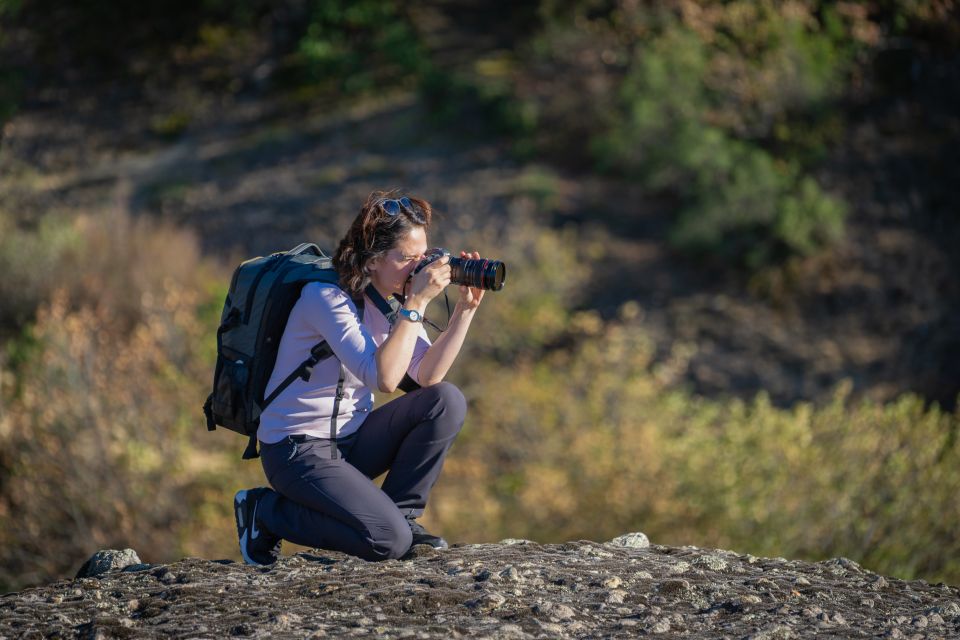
x=469 y=296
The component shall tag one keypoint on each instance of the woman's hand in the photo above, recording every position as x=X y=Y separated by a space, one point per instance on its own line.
x=430 y=281
x=470 y=297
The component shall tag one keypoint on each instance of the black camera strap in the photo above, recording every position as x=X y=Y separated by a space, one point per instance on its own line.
x=390 y=307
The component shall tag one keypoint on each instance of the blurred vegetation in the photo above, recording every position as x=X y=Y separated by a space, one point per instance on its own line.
x=107 y=322
x=103 y=443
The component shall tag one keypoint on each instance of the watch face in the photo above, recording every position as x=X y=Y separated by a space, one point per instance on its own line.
x=410 y=314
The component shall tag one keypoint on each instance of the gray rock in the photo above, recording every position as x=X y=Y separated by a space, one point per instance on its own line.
x=635 y=540
x=108 y=560
x=660 y=626
x=562 y=612
x=947 y=609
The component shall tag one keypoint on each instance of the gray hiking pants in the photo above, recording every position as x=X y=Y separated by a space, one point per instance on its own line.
x=334 y=504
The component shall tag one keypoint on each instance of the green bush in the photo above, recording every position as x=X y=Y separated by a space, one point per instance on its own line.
x=359 y=47
x=739 y=201
x=725 y=109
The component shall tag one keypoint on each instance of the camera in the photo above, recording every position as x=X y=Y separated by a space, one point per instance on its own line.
x=478 y=273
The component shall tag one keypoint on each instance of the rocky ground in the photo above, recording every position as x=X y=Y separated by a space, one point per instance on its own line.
x=512 y=589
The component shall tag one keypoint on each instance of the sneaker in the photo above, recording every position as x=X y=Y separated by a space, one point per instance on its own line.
x=257 y=545
x=421 y=536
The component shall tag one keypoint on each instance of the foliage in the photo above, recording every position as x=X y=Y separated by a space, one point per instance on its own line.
x=570 y=425
x=707 y=104
x=100 y=397
x=591 y=443
x=358 y=47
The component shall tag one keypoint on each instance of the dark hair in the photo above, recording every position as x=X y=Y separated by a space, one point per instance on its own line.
x=373 y=233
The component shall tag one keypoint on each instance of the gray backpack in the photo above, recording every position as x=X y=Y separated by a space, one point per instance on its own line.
x=262 y=293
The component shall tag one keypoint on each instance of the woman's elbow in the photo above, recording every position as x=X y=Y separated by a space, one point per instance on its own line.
x=386 y=386
x=429 y=382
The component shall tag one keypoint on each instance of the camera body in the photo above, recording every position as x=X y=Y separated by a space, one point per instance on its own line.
x=478 y=273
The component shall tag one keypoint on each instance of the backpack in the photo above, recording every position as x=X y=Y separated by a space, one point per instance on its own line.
x=262 y=293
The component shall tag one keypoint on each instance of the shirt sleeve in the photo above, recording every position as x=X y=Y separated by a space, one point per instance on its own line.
x=334 y=317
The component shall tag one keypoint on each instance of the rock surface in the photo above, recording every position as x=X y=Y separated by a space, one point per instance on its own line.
x=519 y=589
x=108 y=560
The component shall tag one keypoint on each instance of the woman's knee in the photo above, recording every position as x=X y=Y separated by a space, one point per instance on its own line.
x=448 y=402
x=392 y=540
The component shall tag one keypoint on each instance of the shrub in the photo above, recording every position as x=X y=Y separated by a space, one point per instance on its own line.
x=101 y=431
x=358 y=47
x=725 y=107
x=591 y=443
x=739 y=201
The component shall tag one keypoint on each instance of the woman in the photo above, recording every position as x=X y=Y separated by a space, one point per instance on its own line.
x=327 y=499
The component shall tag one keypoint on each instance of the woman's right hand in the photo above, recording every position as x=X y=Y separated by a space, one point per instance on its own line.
x=429 y=282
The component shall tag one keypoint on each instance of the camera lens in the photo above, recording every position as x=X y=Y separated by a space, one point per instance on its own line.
x=478 y=273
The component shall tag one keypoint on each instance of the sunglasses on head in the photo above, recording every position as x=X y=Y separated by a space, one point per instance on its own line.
x=392 y=207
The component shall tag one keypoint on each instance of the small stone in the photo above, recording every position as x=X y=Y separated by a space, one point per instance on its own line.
x=868 y=602
x=107 y=560
x=612 y=582
x=948 y=609
x=511 y=631
x=628 y=622
x=715 y=563
x=509 y=541
x=893 y=632
x=635 y=540
x=750 y=598
x=562 y=612
x=286 y=621
x=482 y=575
x=511 y=574
x=935 y=619
x=489 y=601
x=773 y=632
x=877 y=583
x=920 y=622
x=551 y=627
x=661 y=626
x=643 y=575
x=801 y=581
x=616 y=596
x=679 y=568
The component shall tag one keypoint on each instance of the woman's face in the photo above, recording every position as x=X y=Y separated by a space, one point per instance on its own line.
x=389 y=272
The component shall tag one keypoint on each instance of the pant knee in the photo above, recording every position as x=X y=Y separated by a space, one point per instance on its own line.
x=449 y=403
x=393 y=542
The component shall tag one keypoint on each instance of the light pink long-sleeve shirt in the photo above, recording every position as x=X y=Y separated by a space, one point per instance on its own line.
x=325 y=312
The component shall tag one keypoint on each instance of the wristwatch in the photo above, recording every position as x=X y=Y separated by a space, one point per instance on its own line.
x=411 y=314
